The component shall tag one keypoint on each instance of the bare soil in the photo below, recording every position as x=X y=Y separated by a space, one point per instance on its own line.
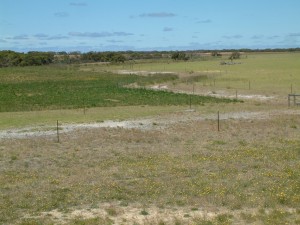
x=154 y=123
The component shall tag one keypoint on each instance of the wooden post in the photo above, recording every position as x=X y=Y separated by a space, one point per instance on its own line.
x=291 y=88
x=57 y=130
x=190 y=101
x=83 y=107
x=218 y=121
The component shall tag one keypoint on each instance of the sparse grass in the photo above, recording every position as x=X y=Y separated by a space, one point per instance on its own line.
x=36 y=222
x=47 y=118
x=271 y=73
x=157 y=78
x=144 y=212
x=146 y=167
x=93 y=221
x=111 y=211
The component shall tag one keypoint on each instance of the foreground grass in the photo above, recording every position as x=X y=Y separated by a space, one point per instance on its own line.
x=185 y=166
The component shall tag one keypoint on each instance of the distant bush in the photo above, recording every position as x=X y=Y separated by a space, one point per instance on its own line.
x=11 y=58
x=179 y=56
x=235 y=55
x=103 y=57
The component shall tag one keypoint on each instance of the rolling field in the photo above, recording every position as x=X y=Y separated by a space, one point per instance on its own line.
x=145 y=156
x=268 y=73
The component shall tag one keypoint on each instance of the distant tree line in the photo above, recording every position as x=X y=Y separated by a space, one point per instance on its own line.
x=11 y=58
x=35 y=58
x=114 y=57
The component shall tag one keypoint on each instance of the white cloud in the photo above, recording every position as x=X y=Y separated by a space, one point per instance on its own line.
x=237 y=36
x=99 y=34
x=158 y=15
x=61 y=14
x=294 y=34
x=257 y=37
x=19 y=37
x=114 y=41
x=40 y=35
x=205 y=21
x=56 y=37
x=273 y=37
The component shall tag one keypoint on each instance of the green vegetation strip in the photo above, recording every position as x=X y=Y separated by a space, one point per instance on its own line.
x=76 y=89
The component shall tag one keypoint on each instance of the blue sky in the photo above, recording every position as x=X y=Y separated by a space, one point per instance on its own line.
x=114 y=25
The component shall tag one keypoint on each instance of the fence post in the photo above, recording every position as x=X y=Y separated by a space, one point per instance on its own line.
x=83 y=107
x=57 y=130
x=218 y=121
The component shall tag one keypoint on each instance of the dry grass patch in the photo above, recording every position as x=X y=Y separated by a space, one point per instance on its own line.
x=249 y=164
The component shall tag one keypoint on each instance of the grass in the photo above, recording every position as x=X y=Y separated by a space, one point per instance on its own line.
x=271 y=73
x=22 y=90
x=151 y=167
x=49 y=117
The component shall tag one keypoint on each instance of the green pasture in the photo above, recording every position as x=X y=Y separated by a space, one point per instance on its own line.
x=43 y=94
x=23 y=90
x=268 y=73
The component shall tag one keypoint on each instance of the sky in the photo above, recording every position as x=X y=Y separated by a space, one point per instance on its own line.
x=146 y=25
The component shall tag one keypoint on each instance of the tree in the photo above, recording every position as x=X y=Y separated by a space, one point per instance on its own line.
x=10 y=58
x=37 y=58
x=118 y=58
x=215 y=53
x=235 y=55
x=179 y=56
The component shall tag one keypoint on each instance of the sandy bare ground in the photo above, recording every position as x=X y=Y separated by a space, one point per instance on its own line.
x=133 y=215
x=154 y=123
x=217 y=94
x=143 y=72
x=129 y=213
